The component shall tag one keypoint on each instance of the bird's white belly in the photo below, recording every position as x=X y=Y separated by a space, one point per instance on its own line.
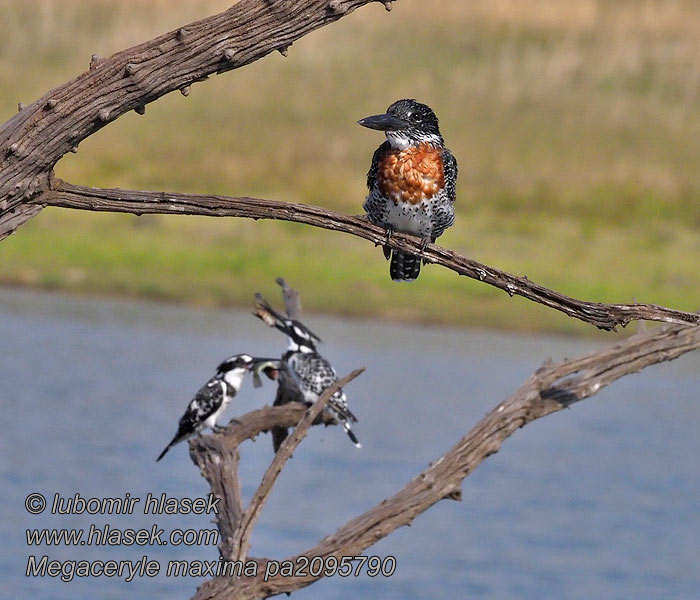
x=410 y=218
x=211 y=419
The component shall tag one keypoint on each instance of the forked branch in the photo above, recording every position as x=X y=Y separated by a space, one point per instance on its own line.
x=548 y=390
x=41 y=133
x=35 y=139
x=217 y=457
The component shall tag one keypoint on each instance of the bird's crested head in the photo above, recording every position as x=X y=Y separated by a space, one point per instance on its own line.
x=407 y=123
x=237 y=362
x=301 y=337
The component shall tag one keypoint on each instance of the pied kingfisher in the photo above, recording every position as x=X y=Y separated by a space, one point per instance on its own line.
x=212 y=398
x=310 y=371
x=412 y=181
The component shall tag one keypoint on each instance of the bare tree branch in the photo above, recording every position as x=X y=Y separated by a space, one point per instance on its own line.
x=250 y=425
x=217 y=458
x=41 y=133
x=250 y=516
x=550 y=389
x=603 y=316
x=219 y=466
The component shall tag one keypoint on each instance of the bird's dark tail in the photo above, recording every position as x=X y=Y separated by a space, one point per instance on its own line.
x=279 y=434
x=178 y=438
x=162 y=454
x=342 y=413
x=404 y=266
x=351 y=434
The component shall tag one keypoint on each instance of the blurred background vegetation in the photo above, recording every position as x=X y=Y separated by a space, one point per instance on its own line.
x=576 y=125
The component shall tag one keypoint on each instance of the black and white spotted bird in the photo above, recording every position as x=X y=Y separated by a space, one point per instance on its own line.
x=412 y=181
x=212 y=398
x=310 y=371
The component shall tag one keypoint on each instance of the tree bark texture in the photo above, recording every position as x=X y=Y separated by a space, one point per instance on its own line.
x=40 y=134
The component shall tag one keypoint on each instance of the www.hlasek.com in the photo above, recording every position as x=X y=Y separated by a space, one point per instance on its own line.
x=67 y=570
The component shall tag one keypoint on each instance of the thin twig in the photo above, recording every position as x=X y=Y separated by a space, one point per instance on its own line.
x=292 y=302
x=603 y=316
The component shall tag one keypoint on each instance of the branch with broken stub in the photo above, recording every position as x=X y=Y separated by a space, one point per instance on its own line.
x=551 y=388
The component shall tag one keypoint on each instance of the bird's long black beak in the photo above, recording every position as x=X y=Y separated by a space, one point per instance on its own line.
x=385 y=122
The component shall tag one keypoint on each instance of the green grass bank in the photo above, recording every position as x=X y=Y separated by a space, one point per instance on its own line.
x=576 y=126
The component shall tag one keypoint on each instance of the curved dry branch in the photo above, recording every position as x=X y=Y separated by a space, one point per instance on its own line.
x=603 y=316
x=550 y=389
x=41 y=133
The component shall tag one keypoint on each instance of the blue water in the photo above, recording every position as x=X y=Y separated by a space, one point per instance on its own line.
x=599 y=501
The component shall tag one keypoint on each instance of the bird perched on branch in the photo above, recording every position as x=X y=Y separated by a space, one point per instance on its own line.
x=412 y=181
x=310 y=372
x=212 y=398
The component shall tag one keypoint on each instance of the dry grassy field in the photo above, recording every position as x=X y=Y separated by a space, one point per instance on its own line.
x=576 y=125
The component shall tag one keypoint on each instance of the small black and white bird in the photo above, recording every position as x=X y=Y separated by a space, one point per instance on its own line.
x=212 y=398
x=310 y=371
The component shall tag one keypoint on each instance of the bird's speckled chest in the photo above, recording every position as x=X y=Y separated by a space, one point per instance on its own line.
x=411 y=175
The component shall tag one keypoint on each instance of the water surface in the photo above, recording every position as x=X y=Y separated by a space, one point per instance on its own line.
x=599 y=501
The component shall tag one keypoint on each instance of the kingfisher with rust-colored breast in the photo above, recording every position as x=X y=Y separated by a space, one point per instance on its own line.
x=412 y=181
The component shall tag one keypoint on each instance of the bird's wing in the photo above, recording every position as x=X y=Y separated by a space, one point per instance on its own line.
x=315 y=372
x=374 y=167
x=450 y=166
x=206 y=402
